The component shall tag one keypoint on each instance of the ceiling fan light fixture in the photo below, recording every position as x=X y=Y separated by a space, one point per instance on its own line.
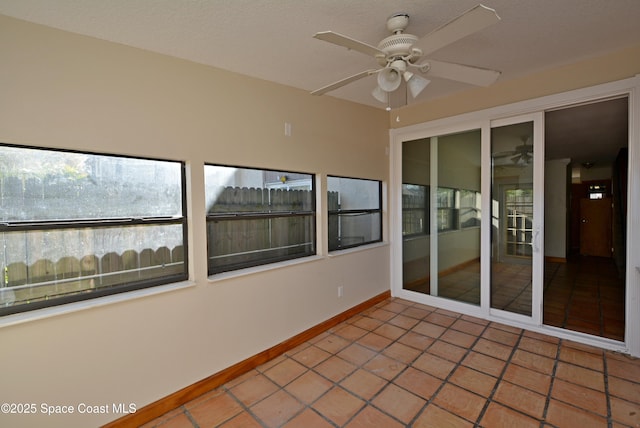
x=416 y=84
x=380 y=95
x=389 y=79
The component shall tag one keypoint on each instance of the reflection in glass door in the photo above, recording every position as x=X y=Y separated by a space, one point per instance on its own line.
x=513 y=234
x=441 y=216
x=518 y=207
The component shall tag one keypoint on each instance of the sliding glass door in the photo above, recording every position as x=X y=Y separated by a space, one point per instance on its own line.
x=516 y=223
x=465 y=245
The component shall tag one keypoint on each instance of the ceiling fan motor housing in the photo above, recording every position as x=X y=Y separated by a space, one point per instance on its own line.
x=397 y=45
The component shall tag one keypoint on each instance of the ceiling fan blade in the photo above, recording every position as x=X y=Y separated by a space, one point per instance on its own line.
x=471 y=21
x=348 y=42
x=343 y=82
x=462 y=73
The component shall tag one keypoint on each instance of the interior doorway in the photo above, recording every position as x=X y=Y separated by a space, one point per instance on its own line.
x=585 y=217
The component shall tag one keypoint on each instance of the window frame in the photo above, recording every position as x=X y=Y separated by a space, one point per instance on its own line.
x=447 y=216
x=354 y=212
x=424 y=209
x=97 y=224
x=249 y=215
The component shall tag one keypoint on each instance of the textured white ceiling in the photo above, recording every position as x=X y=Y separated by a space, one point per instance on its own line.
x=272 y=39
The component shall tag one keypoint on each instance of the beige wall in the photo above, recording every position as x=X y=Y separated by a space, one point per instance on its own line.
x=62 y=90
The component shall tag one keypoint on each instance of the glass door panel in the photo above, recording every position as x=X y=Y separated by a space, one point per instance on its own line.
x=441 y=215
x=513 y=232
x=416 y=217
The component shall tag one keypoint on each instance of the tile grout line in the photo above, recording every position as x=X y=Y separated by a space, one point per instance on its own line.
x=445 y=381
x=500 y=379
x=390 y=381
x=245 y=408
x=337 y=383
x=189 y=416
x=605 y=375
x=547 y=401
x=407 y=365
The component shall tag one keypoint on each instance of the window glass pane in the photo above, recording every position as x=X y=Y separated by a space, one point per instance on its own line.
x=257 y=216
x=354 y=193
x=232 y=190
x=416 y=215
x=78 y=225
x=39 y=185
x=44 y=264
x=512 y=217
x=355 y=215
x=350 y=230
x=458 y=246
x=444 y=172
x=235 y=244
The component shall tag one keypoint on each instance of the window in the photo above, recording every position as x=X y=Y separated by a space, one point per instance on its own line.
x=75 y=226
x=256 y=216
x=355 y=212
x=457 y=209
x=415 y=209
x=447 y=212
x=469 y=208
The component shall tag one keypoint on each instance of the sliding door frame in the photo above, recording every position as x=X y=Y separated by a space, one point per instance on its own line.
x=483 y=120
x=537 y=240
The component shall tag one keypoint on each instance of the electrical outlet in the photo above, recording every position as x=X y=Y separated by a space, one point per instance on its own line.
x=340 y=290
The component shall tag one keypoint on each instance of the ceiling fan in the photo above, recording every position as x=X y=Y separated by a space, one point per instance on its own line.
x=402 y=56
x=520 y=155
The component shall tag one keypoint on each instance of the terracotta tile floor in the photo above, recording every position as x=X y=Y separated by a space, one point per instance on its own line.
x=404 y=364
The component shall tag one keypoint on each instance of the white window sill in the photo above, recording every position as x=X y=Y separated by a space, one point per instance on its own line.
x=367 y=247
x=68 y=308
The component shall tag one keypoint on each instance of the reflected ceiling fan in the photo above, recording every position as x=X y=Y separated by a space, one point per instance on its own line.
x=521 y=155
x=401 y=56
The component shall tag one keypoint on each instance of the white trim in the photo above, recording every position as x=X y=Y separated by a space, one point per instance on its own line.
x=632 y=310
x=480 y=119
x=485 y=232
x=433 y=215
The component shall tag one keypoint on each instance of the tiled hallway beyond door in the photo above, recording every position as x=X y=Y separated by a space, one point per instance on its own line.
x=586 y=294
x=404 y=364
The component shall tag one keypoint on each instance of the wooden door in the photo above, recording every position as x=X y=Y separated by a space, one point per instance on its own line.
x=595 y=227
